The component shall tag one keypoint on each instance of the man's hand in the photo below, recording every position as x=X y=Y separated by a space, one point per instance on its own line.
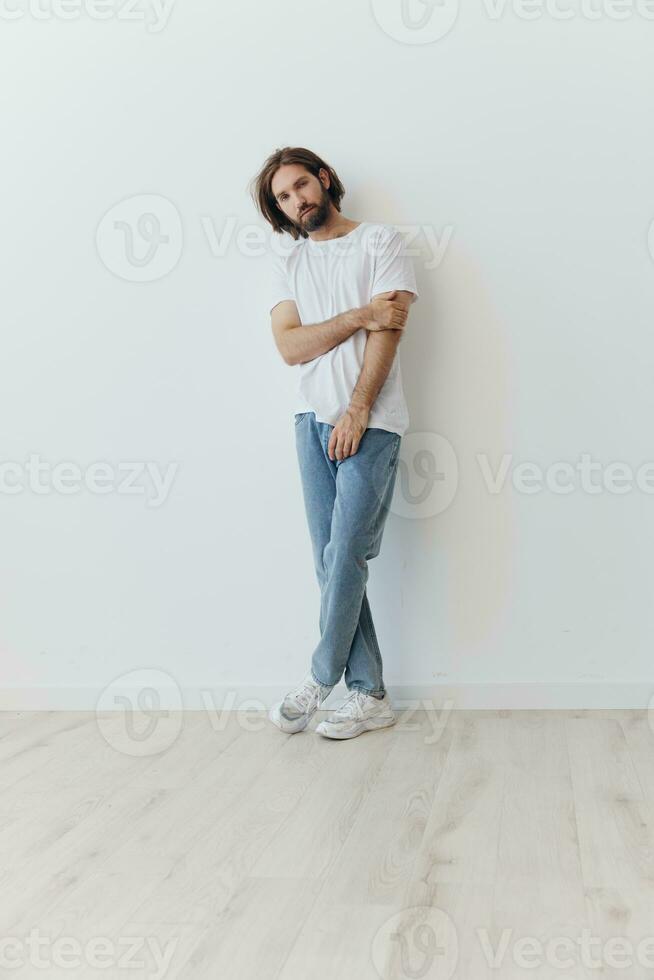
x=347 y=433
x=387 y=312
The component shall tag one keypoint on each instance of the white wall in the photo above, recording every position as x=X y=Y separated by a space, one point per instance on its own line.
x=525 y=146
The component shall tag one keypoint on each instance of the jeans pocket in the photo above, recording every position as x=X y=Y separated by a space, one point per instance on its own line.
x=299 y=417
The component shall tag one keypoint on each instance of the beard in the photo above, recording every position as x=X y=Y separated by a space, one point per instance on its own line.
x=317 y=216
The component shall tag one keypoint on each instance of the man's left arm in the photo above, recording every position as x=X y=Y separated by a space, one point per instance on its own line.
x=378 y=358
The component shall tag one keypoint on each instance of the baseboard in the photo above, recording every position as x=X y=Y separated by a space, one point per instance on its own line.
x=573 y=695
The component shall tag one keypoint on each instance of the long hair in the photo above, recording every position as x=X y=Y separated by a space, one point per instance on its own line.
x=264 y=198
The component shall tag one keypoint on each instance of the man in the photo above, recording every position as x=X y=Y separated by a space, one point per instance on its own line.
x=339 y=303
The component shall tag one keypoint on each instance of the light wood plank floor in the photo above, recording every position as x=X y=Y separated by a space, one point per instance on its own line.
x=474 y=844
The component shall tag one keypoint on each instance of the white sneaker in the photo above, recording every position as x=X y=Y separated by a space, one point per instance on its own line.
x=359 y=713
x=294 y=713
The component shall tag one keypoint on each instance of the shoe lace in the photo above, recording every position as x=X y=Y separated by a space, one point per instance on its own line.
x=352 y=704
x=308 y=693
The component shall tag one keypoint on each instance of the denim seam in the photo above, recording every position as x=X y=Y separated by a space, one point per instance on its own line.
x=365 y=608
x=322 y=683
x=384 y=508
x=365 y=690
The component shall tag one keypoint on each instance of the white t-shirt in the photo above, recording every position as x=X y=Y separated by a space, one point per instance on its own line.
x=325 y=278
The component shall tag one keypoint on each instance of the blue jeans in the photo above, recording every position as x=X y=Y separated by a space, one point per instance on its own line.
x=346 y=503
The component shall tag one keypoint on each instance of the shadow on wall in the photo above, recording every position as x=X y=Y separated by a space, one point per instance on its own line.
x=455 y=370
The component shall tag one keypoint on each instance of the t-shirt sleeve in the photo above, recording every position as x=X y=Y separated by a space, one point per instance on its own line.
x=278 y=285
x=393 y=266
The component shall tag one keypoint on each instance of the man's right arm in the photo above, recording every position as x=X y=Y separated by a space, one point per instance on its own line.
x=297 y=343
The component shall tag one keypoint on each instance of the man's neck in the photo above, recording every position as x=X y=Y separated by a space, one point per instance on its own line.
x=335 y=229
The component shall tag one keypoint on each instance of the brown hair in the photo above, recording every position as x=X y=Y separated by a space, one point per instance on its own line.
x=264 y=198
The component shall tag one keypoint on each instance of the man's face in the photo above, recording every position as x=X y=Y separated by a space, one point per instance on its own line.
x=302 y=197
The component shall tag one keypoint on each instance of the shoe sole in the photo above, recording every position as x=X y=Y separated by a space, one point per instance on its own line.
x=285 y=725
x=369 y=725
x=293 y=727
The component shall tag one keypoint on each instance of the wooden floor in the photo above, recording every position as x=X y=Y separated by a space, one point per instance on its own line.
x=241 y=853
